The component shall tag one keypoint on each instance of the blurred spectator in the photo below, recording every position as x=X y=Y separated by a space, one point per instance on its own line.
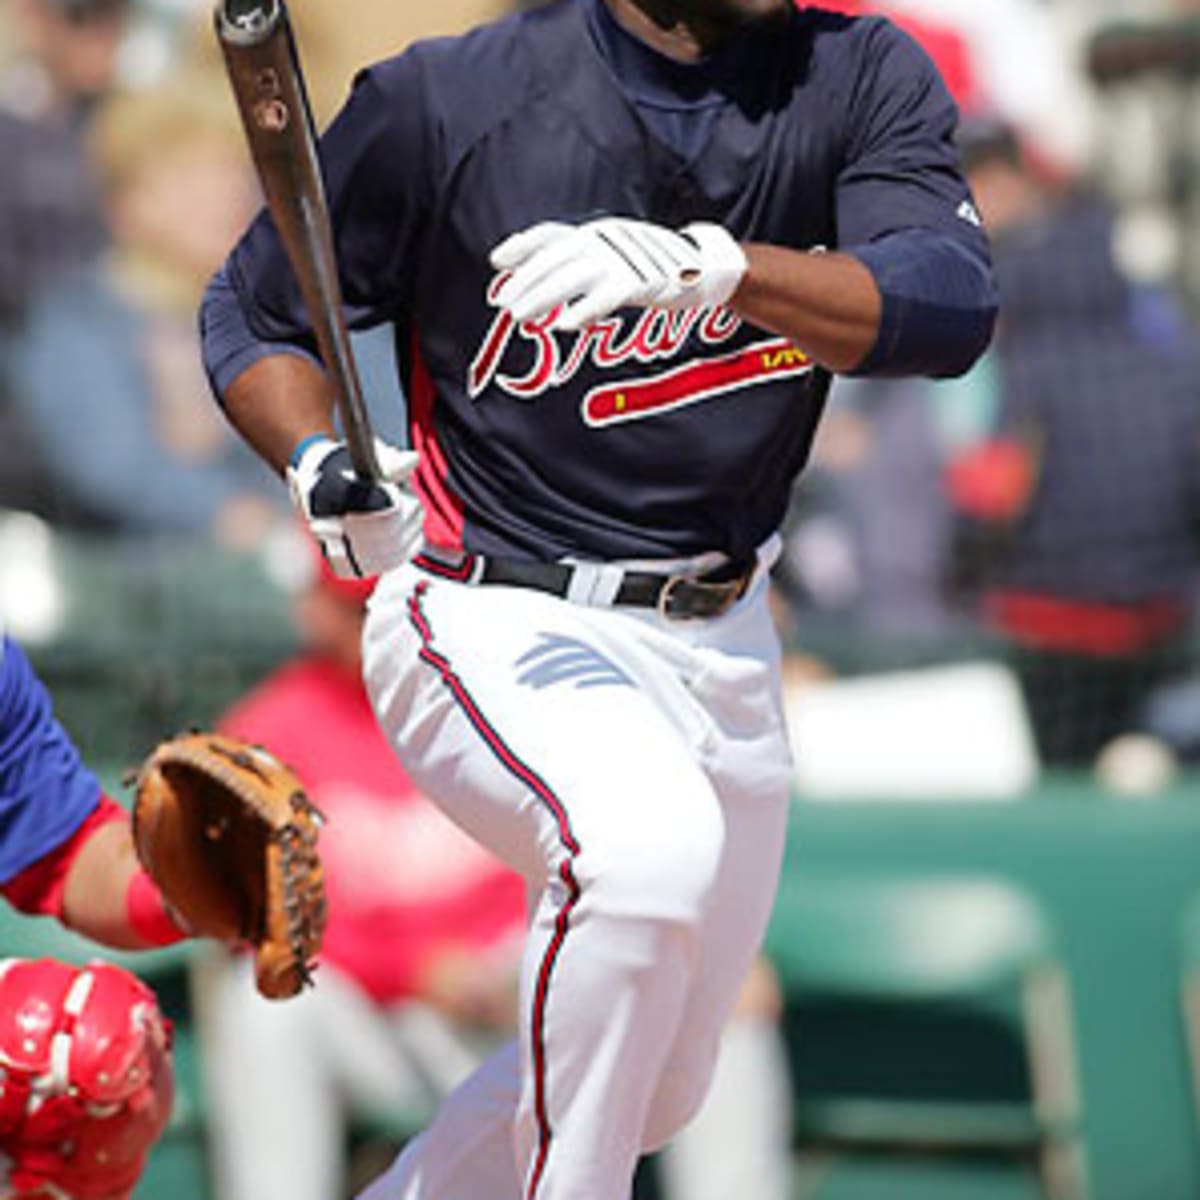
x=419 y=970
x=64 y=60
x=106 y=368
x=1084 y=509
x=1145 y=67
x=50 y=215
x=869 y=540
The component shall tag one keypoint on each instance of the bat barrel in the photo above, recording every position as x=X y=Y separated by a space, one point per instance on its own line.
x=247 y=22
x=264 y=70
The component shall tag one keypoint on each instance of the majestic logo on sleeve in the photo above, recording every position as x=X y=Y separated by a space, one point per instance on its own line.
x=656 y=336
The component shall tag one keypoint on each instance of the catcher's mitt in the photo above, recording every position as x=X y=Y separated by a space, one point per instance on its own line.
x=229 y=836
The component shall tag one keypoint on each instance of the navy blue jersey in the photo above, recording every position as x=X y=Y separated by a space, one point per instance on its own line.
x=46 y=793
x=649 y=434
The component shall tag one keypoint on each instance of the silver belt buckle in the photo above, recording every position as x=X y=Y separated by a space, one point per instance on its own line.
x=664 y=597
x=725 y=595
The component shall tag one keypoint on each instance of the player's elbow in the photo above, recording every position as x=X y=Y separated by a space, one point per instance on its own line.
x=940 y=305
x=972 y=310
x=948 y=343
x=224 y=334
x=973 y=332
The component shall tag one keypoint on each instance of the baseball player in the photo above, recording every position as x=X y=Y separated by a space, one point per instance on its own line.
x=623 y=244
x=85 y=1068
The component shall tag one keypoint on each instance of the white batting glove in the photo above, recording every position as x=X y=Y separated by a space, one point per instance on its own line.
x=592 y=270
x=364 y=528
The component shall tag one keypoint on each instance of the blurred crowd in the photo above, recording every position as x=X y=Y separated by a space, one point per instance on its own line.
x=1044 y=506
x=1044 y=511
x=1013 y=503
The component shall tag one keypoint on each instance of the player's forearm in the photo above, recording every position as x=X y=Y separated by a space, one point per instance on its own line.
x=277 y=402
x=917 y=302
x=828 y=304
x=274 y=393
x=97 y=886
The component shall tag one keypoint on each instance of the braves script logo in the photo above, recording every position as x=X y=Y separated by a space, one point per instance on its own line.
x=656 y=336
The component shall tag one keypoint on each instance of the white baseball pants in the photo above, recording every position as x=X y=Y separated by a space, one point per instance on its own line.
x=635 y=770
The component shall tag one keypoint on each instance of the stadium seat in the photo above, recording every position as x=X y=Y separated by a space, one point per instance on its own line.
x=941 y=943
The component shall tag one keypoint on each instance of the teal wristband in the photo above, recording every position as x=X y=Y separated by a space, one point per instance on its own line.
x=303 y=445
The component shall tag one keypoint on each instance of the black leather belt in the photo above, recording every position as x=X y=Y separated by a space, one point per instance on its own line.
x=680 y=597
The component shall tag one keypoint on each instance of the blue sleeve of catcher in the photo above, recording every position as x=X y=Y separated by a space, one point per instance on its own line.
x=46 y=792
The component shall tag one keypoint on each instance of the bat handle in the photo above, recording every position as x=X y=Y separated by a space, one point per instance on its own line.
x=362 y=457
x=337 y=354
x=352 y=408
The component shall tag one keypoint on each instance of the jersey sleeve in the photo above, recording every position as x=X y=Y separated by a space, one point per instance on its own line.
x=377 y=163
x=905 y=211
x=901 y=168
x=46 y=793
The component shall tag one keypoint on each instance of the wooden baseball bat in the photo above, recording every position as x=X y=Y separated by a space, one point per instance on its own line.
x=264 y=70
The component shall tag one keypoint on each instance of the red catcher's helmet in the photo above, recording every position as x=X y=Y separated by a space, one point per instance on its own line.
x=85 y=1079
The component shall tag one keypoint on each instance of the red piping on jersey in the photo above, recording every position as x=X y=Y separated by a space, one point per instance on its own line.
x=460 y=572
x=444 y=516
x=511 y=763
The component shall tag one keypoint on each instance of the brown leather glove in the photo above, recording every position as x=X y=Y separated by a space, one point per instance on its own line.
x=228 y=834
